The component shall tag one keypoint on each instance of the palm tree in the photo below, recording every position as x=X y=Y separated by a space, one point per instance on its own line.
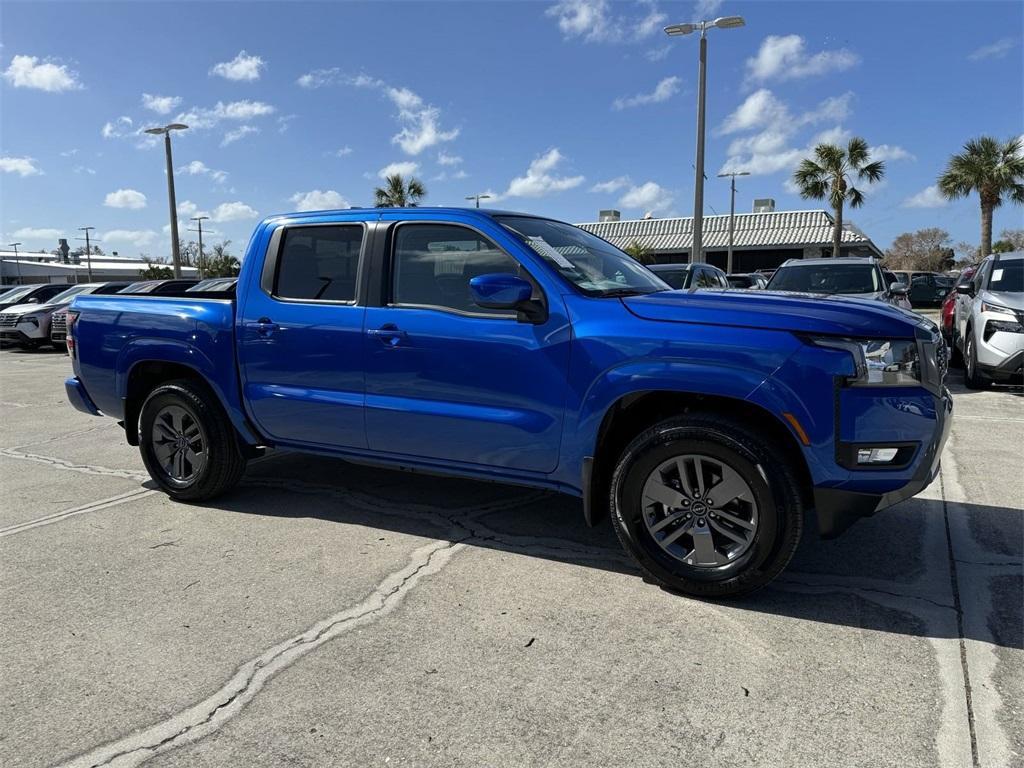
x=397 y=193
x=829 y=176
x=639 y=252
x=991 y=168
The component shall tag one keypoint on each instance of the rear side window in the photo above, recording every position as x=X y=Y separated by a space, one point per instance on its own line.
x=319 y=263
x=432 y=265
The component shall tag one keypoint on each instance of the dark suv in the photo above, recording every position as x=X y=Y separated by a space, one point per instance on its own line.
x=682 y=276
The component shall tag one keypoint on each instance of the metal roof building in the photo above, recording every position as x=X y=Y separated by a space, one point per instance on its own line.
x=31 y=267
x=760 y=240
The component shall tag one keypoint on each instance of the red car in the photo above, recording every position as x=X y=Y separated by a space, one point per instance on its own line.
x=949 y=304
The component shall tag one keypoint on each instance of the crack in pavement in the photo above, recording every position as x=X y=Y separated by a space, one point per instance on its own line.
x=93 y=506
x=85 y=469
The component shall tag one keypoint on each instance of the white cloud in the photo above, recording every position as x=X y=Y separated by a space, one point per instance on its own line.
x=187 y=208
x=238 y=133
x=707 y=9
x=785 y=58
x=233 y=212
x=84 y=169
x=759 y=109
x=319 y=78
x=443 y=158
x=890 y=152
x=23 y=166
x=125 y=198
x=283 y=122
x=119 y=128
x=317 y=200
x=343 y=152
x=136 y=237
x=659 y=53
x=162 y=105
x=404 y=168
x=663 y=91
x=42 y=75
x=242 y=67
x=647 y=197
x=199 y=168
x=242 y=110
x=593 y=22
x=612 y=185
x=929 y=197
x=69 y=153
x=996 y=50
x=540 y=180
x=37 y=233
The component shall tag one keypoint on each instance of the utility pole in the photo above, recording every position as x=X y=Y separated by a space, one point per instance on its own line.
x=732 y=212
x=199 y=223
x=17 y=264
x=88 y=251
x=478 y=198
x=175 y=246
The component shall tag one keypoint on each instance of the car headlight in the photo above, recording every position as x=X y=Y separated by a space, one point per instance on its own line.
x=881 y=362
x=28 y=319
x=988 y=306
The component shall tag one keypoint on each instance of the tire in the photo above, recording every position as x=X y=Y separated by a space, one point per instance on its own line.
x=30 y=346
x=184 y=419
x=973 y=378
x=774 y=508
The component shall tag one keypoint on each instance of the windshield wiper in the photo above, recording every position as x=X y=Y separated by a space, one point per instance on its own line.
x=623 y=292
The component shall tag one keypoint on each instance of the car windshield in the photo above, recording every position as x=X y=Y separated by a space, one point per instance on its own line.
x=1007 y=276
x=64 y=297
x=826 y=278
x=16 y=294
x=594 y=266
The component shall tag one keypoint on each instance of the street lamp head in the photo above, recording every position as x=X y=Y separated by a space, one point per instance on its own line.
x=166 y=129
x=674 y=30
x=728 y=22
x=182 y=126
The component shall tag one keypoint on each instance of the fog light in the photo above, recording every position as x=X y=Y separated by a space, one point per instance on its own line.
x=876 y=455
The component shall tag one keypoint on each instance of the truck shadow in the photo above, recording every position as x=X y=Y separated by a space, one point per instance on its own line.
x=889 y=560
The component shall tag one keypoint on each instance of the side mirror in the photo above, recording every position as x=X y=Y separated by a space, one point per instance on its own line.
x=965 y=289
x=898 y=289
x=33 y=300
x=505 y=291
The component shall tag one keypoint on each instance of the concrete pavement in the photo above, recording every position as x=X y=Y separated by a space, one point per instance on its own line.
x=330 y=614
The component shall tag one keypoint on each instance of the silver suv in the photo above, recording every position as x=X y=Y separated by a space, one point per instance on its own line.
x=855 y=276
x=988 y=322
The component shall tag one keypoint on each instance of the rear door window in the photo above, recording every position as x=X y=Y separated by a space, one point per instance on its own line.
x=319 y=263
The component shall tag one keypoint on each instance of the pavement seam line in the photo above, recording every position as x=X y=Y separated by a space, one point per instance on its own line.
x=86 y=469
x=93 y=506
x=210 y=714
x=955 y=588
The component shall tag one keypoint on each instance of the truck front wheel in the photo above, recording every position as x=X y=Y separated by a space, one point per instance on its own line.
x=706 y=507
x=187 y=442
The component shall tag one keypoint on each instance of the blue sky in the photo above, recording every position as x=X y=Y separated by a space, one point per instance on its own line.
x=559 y=108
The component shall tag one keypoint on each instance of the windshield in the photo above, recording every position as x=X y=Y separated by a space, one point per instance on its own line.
x=1007 y=276
x=14 y=295
x=826 y=278
x=594 y=266
x=64 y=297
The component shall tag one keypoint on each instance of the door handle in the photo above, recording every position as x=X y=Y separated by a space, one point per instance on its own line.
x=264 y=326
x=389 y=334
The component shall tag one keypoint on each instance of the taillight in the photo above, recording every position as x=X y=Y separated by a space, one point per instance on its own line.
x=72 y=316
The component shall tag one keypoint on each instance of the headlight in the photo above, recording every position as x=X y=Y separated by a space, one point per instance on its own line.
x=988 y=306
x=28 y=319
x=881 y=362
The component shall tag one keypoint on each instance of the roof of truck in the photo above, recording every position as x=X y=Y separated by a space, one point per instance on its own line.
x=411 y=209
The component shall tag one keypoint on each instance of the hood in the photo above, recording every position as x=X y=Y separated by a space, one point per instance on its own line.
x=795 y=312
x=32 y=309
x=1008 y=299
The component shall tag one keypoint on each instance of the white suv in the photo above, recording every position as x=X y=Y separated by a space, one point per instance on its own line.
x=988 y=322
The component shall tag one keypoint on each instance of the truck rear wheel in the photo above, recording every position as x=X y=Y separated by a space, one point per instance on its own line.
x=187 y=442
x=706 y=507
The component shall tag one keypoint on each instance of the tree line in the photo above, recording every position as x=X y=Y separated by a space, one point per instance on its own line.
x=218 y=261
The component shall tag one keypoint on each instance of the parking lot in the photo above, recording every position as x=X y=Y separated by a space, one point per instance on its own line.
x=332 y=614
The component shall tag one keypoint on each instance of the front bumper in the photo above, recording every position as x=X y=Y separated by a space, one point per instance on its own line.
x=838 y=508
x=1010 y=370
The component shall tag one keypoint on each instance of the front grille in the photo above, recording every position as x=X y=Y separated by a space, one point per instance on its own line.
x=942 y=358
x=8 y=320
x=59 y=323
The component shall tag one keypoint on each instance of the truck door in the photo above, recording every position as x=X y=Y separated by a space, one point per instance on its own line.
x=448 y=380
x=300 y=333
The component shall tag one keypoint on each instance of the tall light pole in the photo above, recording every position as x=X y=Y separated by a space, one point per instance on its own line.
x=17 y=264
x=88 y=250
x=199 y=224
x=478 y=198
x=732 y=212
x=175 y=248
x=723 y=22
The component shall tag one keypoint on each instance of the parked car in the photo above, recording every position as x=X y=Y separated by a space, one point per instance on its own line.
x=901 y=301
x=929 y=290
x=681 y=276
x=515 y=348
x=160 y=287
x=988 y=327
x=212 y=284
x=949 y=310
x=58 y=317
x=747 y=280
x=29 y=325
x=859 y=277
x=30 y=294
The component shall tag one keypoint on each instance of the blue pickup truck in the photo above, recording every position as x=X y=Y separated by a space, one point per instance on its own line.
x=704 y=423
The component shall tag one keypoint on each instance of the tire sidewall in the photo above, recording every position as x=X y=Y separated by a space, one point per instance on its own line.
x=755 y=566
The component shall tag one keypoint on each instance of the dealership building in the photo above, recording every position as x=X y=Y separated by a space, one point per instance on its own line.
x=761 y=240
x=25 y=267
